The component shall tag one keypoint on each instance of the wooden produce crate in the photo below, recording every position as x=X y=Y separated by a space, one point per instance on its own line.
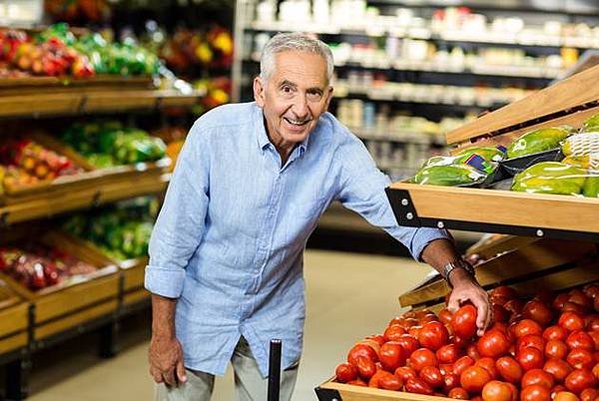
x=571 y=102
x=14 y=320
x=73 y=302
x=331 y=391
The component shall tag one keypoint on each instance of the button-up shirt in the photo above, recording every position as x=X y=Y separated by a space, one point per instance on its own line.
x=229 y=240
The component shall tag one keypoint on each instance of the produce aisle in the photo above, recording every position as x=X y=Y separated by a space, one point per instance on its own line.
x=360 y=302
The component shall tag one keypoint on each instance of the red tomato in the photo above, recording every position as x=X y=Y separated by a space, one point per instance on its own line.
x=580 y=339
x=464 y=322
x=422 y=357
x=509 y=369
x=458 y=393
x=358 y=382
x=500 y=314
x=489 y=365
x=472 y=352
x=515 y=392
x=405 y=373
x=556 y=349
x=555 y=333
x=537 y=376
x=392 y=355
x=589 y=394
x=591 y=290
x=514 y=306
x=530 y=358
x=531 y=340
x=418 y=386
x=474 y=378
x=346 y=372
x=527 y=327
x=579 y=297
x=565 y=396
x=446 y=368
x=591 y=322
x=497 y=391
x=558 y=368
x=432 y=376
x=574 y=307
x=409 y=343
x=580 y=379
x=375 y=380
x=461 y=364
x=433 y=335
x=571 y=321
x=391 y=382
x=594 y=334
x=361 y=350
x=596 y=371
x=450 y=381
x=535 y=392
x=581 y=359
x=537 y=311
x=493 y=344
x=448 y=353
x=366 y=368
x=396 y=320
x=380 y=340
x=502 y=292
x=560 y=300
x=408 y=322
x=445 y=316
x=414 y=331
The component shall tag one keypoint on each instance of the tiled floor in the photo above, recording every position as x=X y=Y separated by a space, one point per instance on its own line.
x=349 y=296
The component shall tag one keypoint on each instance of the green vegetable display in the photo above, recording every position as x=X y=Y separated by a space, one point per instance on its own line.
x=551 y=178
x=537 y=141
x=452 y=175
x=592 y=124
x=110 y=144
x=591 y=187
x=488 y=153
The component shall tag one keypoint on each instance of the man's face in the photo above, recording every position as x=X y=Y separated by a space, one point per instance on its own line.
x=294 y=97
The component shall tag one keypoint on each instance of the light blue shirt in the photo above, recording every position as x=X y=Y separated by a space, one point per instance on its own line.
x=229 y=240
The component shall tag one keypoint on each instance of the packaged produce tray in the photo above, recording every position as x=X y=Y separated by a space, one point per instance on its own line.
x=73 y=301
x=14 y=314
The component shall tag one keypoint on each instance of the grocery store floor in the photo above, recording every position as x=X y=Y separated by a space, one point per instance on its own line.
x=349 y=296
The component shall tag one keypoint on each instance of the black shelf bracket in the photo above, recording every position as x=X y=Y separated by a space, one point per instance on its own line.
x=403 y=207
x=327 y=394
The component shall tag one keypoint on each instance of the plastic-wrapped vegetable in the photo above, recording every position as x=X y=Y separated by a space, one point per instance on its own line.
x=538 y=141
x=486 y=152
x=591 y=186
x=551 y=178
x=592 y=124
x=581 y=144
x=452 y=175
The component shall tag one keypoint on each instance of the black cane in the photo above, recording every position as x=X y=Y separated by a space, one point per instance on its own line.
x=274 y=370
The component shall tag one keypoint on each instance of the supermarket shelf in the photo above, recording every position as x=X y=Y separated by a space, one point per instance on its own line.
x=51 y=203
x=495 y=211
x=524 y=38
x=73 y=101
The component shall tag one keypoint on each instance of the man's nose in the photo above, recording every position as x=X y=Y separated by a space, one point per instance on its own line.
x=300 y=107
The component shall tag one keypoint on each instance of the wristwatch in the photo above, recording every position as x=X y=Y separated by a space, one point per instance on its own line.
x=457 y=264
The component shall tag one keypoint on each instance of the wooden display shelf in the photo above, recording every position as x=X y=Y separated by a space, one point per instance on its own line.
x=41 y=83
x=331 y=391
x=14 y=320
x=110 y=189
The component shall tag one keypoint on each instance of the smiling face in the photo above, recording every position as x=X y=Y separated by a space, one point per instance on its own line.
x=294 y=98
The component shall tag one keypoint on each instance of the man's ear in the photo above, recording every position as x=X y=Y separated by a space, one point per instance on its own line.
x=259 y=91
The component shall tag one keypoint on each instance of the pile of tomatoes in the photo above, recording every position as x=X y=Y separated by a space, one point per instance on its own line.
x=541 y=350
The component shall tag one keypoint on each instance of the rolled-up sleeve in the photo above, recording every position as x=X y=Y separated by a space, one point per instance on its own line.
x=181 y=222
x=362 y=189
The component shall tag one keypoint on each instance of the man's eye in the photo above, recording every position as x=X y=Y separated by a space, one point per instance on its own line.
x=287 y=89
x=314 y=96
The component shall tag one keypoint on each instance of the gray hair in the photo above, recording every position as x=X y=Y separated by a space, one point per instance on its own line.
x=300 y=42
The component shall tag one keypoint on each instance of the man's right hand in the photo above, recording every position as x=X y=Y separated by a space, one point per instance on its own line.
x=166 y=360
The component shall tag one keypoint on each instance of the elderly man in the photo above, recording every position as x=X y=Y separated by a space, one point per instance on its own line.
x=252 y=180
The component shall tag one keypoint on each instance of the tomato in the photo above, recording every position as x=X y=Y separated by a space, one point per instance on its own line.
x=385 y=380
x=458 y=393
x=497 y=391
x=574 y=307
x=555 y=333
x=433 y=335
x=500 y=314
x=560 y=300
x=489 y=365
x=580 y=379
x=372 y=344
x=408 y=322
x=596 y=371
x=591 y=322
x=565 y=396
x=380 y=340
x=594 y=334
x=530 y=358
x=461 y=364
x=446 y=368
x=493 y=344
x=558 y=368
x=537 y=311
x=448 y=353
x=556 y=349
x=450 y=381
x=571 y=321
x=531 y=340
x=515 y=391
x=432 y=376
x=527 y=327
x=464 y=322
x=414 y=331
x=535 y=392
x=537 y=376
x=418 y=386
x=579 y=297
x=405 y=373
x=361 y=350
x=591 y=290
x=346 y=372
x=589 y=394
x=422 y=357
x=392 y=355
x=580 y=339
x=501 y=293
x=474 y=378
x=514 y=306
x=445 y=316
x=358 y=382
x=472 y=352
x=366 y=368
x=509 y=369
x=375 y=380
x=581 y=359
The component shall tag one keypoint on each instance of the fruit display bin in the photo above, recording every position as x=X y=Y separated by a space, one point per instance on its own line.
x=14 y=320
x=332 y=391
x=73 y=302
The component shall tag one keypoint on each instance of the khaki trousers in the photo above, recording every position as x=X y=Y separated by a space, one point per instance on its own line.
x=249 y=384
